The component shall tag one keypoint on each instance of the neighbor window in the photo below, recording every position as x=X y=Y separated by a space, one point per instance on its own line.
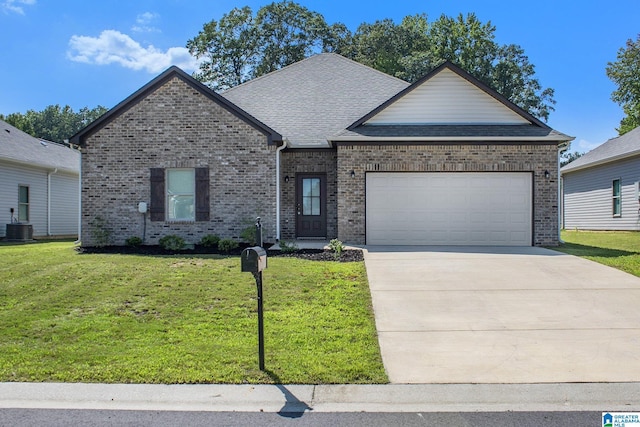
x=23 y=203
x=617 y=199
x=181 y=194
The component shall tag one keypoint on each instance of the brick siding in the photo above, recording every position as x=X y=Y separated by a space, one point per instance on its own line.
x=307 y=161
x=446 y=158
x=176 y=126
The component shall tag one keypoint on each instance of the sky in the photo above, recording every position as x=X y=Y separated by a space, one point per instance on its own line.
x=88 y=53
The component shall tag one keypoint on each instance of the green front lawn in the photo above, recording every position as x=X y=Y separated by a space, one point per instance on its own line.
x=617 y=249
x=73 y=317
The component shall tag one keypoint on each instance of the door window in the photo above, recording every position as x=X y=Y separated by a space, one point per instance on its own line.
x=311 y=196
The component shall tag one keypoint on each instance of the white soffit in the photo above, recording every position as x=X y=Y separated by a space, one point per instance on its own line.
x=447 y=98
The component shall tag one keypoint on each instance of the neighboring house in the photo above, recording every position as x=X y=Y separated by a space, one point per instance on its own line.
x=324 y=148
x=39 y=182
x=602 y=188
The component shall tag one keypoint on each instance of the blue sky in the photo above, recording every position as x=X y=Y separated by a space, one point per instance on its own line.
x=85 y=53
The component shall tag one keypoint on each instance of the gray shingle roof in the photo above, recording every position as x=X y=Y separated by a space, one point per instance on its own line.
x=18 y=146
x=314 y=99
x=621 y=147
x=443 y=132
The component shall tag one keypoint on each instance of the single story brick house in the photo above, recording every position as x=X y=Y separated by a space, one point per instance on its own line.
x=602 y=188
x=40 y=184
x=324 y=148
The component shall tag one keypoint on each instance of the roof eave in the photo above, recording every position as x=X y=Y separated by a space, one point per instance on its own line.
x=547 y=140
x=80 y=137
x=600 y=162
x=41 y=166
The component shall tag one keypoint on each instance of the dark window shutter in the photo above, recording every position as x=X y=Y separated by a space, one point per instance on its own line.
x=157 y=194
x=202 y=194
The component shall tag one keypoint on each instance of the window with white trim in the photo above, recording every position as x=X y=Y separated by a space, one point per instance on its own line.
x=23 y=203
x=617 y=198
x=181 y=195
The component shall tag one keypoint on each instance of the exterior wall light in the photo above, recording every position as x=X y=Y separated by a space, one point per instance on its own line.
x=353 y=173
x=286 y=178
x=547 y=175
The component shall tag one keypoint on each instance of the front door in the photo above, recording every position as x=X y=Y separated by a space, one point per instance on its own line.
x=311 y=205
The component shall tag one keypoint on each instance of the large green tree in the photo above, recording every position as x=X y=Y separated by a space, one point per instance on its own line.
x=242 y=45
x=228 y=49
x=54 y=123
x=625 y=73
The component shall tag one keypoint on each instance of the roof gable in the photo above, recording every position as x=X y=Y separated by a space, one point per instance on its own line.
x=621 y=147
x=20 y=147
x=311 y=100
x=167 y=75
x=448 y=95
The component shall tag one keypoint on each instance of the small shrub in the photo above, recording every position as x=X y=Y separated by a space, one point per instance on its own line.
x=288 y=248
x=227 y=245
x=210 y=241
x=248 y=235
x=133 y=241
x=100 y=231
x=172 y=242
x=337 y=247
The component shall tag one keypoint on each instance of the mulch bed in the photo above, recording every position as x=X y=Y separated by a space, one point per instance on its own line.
x=348 y=255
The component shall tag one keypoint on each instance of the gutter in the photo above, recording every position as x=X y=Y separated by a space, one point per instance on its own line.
x=49 y=200
x=278 y=150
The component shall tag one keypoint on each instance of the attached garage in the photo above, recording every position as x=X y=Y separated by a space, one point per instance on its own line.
x=449 y=208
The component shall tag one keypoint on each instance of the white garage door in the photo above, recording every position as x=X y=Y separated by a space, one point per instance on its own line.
x=449 y=209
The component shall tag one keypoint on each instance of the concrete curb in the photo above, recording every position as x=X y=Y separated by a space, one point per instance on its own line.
x=325 y=398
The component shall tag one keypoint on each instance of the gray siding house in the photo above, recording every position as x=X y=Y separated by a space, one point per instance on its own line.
x=324 y=148
x=602 y=188
x=39 y=184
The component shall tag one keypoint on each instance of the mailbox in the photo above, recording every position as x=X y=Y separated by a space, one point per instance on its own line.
x=253 y=260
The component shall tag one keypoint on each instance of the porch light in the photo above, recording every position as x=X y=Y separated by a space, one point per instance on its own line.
x=353 y=173
x=286 y=178
x=547 y=174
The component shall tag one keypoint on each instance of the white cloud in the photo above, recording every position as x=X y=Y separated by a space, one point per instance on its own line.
x=582 y=145
x=114 y=47
x=16 y=6
x=144 y=23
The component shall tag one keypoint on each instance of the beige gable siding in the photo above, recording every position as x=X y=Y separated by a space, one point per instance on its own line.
x=447 y=98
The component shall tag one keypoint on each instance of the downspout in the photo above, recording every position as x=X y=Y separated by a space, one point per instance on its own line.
x=561 y=149
x=79 y=190
x=49 y=200
x=278 y=150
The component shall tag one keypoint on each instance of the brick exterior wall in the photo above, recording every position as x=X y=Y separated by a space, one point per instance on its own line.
x=446 y=158
x=307 y=161
x=176 y=126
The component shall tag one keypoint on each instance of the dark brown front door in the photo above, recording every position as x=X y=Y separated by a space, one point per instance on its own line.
x=311 y=205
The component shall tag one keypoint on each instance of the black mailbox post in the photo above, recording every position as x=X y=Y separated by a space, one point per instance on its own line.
x=254 y=260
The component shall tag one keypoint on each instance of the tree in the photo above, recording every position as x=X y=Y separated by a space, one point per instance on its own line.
x=287 y=33
x=54 y=123
x=242 y=46
x=228 y=49
x=568 y=157
x=625 y=72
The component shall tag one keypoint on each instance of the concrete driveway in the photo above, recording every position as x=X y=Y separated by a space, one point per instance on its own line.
x=502 y=315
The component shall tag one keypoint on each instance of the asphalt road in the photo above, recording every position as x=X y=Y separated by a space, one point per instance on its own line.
x=99 y=418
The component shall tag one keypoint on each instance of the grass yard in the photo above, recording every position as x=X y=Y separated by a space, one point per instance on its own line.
x=69 y=317
x=617 y=249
